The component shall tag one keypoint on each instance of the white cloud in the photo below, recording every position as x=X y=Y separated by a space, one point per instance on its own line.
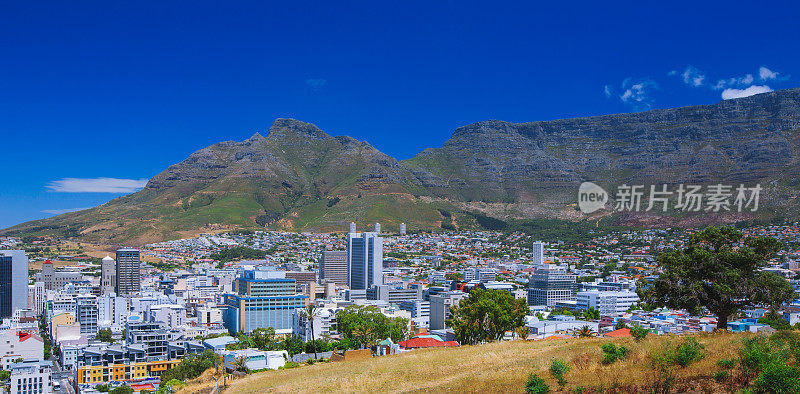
x=96 y=185
x=693 y=76
x=60 y=211
x=673 y=72
x=724 y=83
x=728 y=94
x=608 y=90
x=766 y=74
x=316 y=83
x=637 y=93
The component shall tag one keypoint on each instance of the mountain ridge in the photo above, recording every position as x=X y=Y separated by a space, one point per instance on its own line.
x=298 y=177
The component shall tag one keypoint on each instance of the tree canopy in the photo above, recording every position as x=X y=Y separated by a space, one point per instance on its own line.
x=719 y=270
x=486 y=315
x=367 y=325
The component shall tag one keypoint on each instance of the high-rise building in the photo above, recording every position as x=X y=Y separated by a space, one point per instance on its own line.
x=13 y=281
x=128 y=275
x=377 y=228
x=352 y=227
x=86 y=312
x=538 y=253
x=263 y=299
x=108 y=275
x=402 y=229
x=333 y=266
x=550 y=285
x=364 y=260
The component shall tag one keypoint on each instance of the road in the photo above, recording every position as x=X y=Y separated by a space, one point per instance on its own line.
x=63 y=377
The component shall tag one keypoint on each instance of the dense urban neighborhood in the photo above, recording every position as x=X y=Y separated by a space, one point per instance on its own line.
x=150 y=318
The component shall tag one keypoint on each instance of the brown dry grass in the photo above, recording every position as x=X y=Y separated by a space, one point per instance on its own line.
x=495 y=367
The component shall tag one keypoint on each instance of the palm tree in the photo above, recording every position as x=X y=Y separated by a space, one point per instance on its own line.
x=240 y=363
x=523 y=332
x=585 y=332
x=311 y=312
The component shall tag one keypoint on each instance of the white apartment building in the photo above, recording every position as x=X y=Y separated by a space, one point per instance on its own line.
x=172 y=315
x=324 y=324
x=607 y=302
x=19 y=344
x=31 y=377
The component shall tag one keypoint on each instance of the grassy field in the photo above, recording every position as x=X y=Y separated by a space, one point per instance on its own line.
x=497 y=367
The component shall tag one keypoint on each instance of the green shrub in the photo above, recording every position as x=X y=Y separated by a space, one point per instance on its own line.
x=778 y=377
x=559 y=368
x=291 y=364
x=638 y=332
x=726 y=363
x=688 y=352
x=310 y=361
x=536 y=385
x=721 y=376
x=612 y=353
x=756 y=354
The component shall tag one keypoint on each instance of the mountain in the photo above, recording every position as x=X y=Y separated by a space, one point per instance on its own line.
x=298 y=177
x=537 y=166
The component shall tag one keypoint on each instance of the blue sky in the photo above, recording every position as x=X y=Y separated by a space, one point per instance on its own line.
x=121 y=90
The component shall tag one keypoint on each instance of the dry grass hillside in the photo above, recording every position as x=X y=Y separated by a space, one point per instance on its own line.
x=497 y=367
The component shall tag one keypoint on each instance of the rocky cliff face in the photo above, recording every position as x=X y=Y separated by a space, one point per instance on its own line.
x=298 y=177
x=745 y=140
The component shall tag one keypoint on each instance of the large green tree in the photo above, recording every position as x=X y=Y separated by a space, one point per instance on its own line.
x=367 y=325
x=719 y=270
x=486 y=315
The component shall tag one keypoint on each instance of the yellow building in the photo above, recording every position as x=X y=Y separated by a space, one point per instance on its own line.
x=60 y=319
x=124 y=372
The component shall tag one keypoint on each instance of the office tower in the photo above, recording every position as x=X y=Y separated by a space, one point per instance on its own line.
x=13 y=281
x=128 y=279
x=302 y=278
x=108 y=275
x=364 y=260
x=550 y=285
x=262 y=299
x=377 y=228
x=352 y=227
x=538 y=253
x=402 y=229
x=333 y=266
x=86 y=312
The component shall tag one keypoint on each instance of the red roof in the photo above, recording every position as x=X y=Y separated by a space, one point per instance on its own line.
x=143 y=386
x=415 y=343
x=621 y=333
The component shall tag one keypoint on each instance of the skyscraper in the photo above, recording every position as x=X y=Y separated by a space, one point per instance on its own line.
x=333 y=266
x=352 y=227
x=538 y=253
x=402 y=229
x=13 y=281
x=108 y=275
x=377 y=228
x=128 y=276
x=364 y=260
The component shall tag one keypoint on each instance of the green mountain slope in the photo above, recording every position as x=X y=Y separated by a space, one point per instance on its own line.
x=298 y=177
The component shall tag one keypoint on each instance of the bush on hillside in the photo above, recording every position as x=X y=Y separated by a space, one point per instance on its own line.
x=612 y=353
x=638 y=332
x=536 y=385
x=558 y=368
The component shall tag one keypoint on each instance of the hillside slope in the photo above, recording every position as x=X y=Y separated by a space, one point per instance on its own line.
x=495 y=367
